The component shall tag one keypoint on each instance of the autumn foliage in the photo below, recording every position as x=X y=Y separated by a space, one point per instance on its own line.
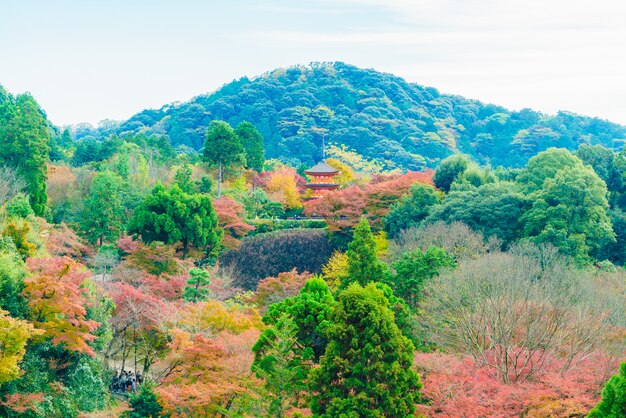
x=457 y=386
x=342 y=209
x=58 y=304
x=230 y=216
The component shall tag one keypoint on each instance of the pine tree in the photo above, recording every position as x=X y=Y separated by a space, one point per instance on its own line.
x=144 y=404
x=196 y=289
x=613 y=403
x=366 y=370
x=363 y=263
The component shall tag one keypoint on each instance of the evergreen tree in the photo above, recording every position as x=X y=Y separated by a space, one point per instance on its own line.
x=282 y=366
x=222 y=148
x=366 y=370
x=411 y=209
x=449 y=169
x=103 y=214
x=613 y=403
x=172 y=216
x=183 y=178
x=310 y=311
x=24 y=138
x=252 y=142
x=414 y=267
x=144 y=404
x=363 y=263
x=197 y=286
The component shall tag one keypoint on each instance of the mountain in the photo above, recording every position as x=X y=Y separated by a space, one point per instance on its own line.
x=378 y=115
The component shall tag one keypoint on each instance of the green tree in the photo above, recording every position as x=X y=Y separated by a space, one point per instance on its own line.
x=570 y=213
x=414 y=267
x=363 y=263
x=103 y=212
x=411 y=209
x=544 y=166
x=172 y=216
x=222 y=147
x=367 y=368
x=449 y=169
x=24 y=138
x=282 y=366
x=197 y=286
x=183 y=178
x=310 y=311
x=613 y=403
x=144 y=404
x=252 y=142
x=494 y=209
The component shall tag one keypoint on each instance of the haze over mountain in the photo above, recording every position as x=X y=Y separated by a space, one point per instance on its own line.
x=380 y=116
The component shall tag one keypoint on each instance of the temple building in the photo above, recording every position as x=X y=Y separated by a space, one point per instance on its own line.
x=321 y=176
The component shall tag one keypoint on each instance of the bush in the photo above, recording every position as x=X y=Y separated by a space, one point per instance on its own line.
x=277 y=252
x=263 y=226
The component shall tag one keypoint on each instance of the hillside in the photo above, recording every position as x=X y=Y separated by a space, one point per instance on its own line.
x=379 y=115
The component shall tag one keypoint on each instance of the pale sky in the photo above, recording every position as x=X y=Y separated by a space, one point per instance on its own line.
x=88 y=60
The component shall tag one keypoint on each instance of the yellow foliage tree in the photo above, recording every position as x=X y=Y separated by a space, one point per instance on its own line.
x=335 y=270
x=14 y=334
x=282 y=187
x=346 y=175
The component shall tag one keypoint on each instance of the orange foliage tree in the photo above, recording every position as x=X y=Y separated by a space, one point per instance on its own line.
x=282 y=186
x=342 y=209
x=230 y=216
x=275 y=289
x=57 y=302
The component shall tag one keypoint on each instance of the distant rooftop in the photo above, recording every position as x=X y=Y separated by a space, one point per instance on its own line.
x=321 y=168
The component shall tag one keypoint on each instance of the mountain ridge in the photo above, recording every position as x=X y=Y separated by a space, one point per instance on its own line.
x=379 y=115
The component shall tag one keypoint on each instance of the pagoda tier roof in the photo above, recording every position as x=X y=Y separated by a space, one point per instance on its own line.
x=321 y=168
x=321 y=185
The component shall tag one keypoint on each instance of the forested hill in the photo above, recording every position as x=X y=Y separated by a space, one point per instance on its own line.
x=378 y=115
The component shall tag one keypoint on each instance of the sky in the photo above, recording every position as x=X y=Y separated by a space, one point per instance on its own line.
x=89 y=60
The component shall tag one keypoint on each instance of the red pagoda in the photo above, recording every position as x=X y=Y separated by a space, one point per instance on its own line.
x=321 y=179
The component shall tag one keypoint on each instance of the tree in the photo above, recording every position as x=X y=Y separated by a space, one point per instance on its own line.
x=283 y=366
x=57 y=303
x=449 y=169
x=172 y=216
x=14 y=334
x=230 y=215
x=11 y=184
x=545 y=165
x=283 y=187
x=252 y=143
x=222 y=147
x=183 y=178
x=363 y=263
x=569 y=211
x=275 y=289
x=517 y=314
x=613 y=404
x=197 y=286
x=413 y=268
x=24 y=137
x=495 y=209
x=411 y=209
x=366 y=369
x=145 y=404
x=103 y=213
x=18 y=232
x=310 y=310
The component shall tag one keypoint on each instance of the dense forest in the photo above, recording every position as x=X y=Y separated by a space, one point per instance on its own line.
x=380 y=116
x=470 y=263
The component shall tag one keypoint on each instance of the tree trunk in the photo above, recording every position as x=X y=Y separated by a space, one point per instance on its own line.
x=220 y=174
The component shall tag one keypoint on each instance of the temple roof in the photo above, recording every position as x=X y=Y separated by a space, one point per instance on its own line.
x=321 y=168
